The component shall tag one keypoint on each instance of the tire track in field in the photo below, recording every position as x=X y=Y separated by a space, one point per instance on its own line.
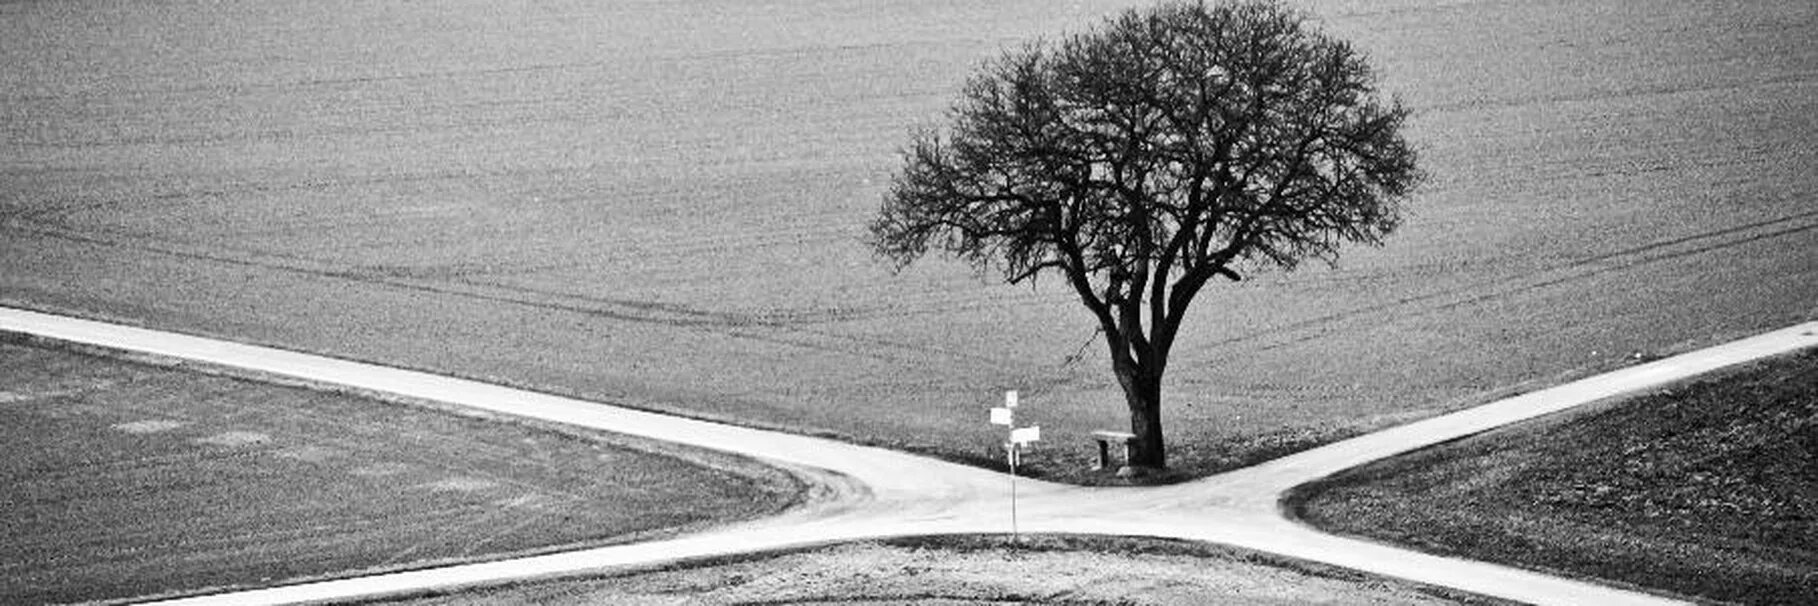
x=783 y=330
x=798 y=327
x=1714 y=240
x=653 y=251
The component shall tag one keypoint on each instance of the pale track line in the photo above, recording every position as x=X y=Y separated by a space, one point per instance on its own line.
x=907 y=495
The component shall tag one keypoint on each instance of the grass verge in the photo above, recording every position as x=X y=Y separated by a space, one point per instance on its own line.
x=1708 y=489
x=972 y=569
x=130 y=476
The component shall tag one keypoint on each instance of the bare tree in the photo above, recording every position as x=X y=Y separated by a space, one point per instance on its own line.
x=1143 y=158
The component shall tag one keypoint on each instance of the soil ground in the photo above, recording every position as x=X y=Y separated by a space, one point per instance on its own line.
x=131 y=478
x=1709 y=489
x=662 y=204
x=977 y=570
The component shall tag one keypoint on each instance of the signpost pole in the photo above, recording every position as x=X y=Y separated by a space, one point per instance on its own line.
x=1013 y=450
x=1015 y=534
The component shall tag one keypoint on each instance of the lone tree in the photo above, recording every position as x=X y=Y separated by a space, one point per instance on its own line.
x=1143 y=158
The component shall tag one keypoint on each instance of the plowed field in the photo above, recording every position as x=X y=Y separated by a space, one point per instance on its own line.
x=662 y=204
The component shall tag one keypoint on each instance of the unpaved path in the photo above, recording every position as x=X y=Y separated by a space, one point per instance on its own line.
x=867 y=492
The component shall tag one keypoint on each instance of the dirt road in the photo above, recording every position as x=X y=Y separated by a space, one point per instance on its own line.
x=868 y=493
x=660 y=205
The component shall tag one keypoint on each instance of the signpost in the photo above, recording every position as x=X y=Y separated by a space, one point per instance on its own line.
x=1019 y=438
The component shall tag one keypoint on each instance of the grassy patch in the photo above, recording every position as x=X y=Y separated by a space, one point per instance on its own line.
x=975 y=569
x=1708 y=489
x=126 y=478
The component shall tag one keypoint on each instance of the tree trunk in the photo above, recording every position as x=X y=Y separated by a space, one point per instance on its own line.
x=1143 y=395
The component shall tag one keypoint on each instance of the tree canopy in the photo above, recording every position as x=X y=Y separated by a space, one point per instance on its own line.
x=1145 y=157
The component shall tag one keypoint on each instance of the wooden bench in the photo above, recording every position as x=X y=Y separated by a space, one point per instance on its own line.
x=1105 y=438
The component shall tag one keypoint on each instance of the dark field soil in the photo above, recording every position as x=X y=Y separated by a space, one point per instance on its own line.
x=1709 y=490
x=124 y=479
x=662 y=204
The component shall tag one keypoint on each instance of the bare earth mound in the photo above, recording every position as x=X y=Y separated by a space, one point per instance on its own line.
x=127 y=479
x=984 y=570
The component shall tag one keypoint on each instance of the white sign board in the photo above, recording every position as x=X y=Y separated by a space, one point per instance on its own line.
x=1002 y=416
x=1025 y=435
x=1010 y=399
